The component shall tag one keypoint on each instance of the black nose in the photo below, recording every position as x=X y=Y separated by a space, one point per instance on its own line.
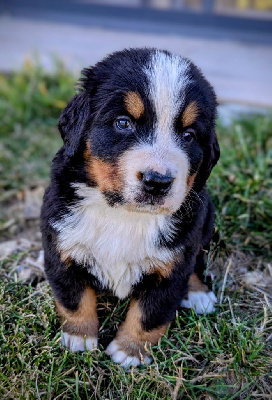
x=155 y=183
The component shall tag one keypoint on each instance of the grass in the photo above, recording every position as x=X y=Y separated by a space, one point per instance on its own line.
x=226 y=355
x=241 y=184
x=30 y=104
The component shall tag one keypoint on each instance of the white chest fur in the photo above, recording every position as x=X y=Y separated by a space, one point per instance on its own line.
x=116 y=245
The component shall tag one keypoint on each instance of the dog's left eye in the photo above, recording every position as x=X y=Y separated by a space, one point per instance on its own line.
x=123 y=123
x=188 y=135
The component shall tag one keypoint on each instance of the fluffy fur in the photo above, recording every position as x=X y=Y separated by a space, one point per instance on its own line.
x=127 y=211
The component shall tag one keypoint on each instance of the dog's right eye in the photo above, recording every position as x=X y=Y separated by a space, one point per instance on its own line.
x=123 y=124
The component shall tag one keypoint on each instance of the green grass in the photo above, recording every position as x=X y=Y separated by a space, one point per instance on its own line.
x=226 y=355
x=30 y=104
x=241 y=184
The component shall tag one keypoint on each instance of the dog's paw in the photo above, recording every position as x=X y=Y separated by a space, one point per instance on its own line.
x=127 y=357
x=201 y=302
x=78 y=343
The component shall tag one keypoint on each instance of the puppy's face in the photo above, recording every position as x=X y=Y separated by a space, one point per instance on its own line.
x=146 y=122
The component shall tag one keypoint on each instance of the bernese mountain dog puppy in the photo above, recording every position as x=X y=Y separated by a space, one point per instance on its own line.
x=127 y=211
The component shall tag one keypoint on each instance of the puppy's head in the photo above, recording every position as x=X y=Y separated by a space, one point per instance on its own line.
x=143 y=128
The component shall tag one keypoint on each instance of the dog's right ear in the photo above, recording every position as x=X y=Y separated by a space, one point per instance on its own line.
x=72 y=121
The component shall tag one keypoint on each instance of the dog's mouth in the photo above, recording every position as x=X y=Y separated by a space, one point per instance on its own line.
x=141 y=203
x=149 y=200
x=147 y=208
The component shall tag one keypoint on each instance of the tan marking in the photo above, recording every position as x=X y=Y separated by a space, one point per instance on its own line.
x=196 y=285
x=64 y=255
x=65 y=258
x=134 y=104
x=162 y=272
x=165 y=270
x=131 y=337
x=87 y=153
x=191 y=179
x=84 y=320
x=106 y=175
x=190 y=182
x=139 y=176
x=190 y=114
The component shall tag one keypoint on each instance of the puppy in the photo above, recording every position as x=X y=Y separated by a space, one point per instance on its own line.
x=127 y=211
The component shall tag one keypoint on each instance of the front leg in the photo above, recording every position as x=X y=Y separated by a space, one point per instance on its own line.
x=152 y=308
x=128 y=347
x=80 y=326
x=75 y=301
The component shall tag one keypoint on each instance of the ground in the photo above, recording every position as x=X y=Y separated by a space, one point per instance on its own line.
x=224 y=355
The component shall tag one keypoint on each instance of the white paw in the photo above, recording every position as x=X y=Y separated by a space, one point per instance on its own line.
x=121 y=357
x=201 y=302
x=78 y=343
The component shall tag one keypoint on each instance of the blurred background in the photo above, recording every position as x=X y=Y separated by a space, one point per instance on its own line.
x=230 y=40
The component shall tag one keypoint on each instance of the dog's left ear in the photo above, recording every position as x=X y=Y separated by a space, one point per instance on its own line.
x=72 y=121
x=213 y=153
x=211 y=156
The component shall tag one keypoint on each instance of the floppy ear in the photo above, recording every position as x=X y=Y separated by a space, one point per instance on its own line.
x=211 y=156
x=72 y=122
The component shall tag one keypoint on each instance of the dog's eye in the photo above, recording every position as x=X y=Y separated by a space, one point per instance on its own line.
x=123 y=123
x=188 y=135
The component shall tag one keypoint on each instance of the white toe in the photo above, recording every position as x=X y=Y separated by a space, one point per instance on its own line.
x=78 y=343
x=201 y=302
x=112 y=348
x=130 y=361
x=91 y=343
x=147 y=360
x=121 y=357
x=116 y=354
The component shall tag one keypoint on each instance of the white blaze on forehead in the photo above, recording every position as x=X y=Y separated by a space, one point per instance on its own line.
x=168 y=77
